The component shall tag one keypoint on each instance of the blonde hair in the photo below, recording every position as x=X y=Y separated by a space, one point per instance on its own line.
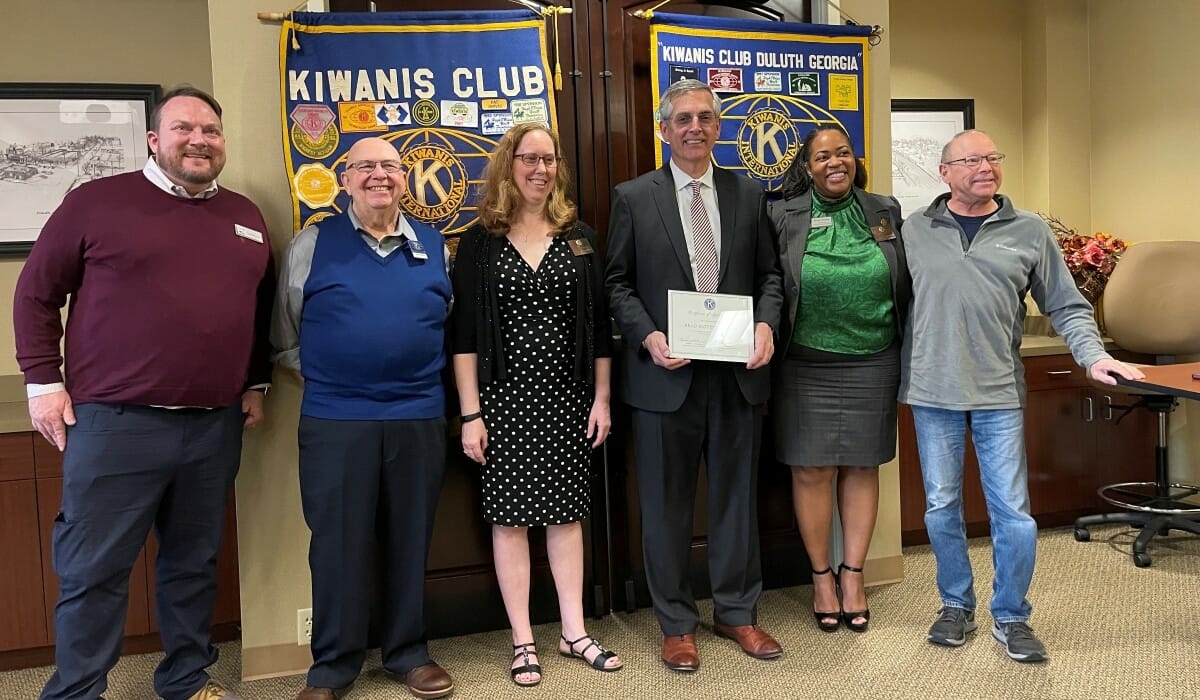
x=501 y=196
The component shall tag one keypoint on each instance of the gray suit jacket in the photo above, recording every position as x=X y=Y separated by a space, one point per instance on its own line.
x=647 y=255
x=792 y=219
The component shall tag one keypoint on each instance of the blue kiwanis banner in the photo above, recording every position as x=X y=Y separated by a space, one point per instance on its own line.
x=776 y=80
x=442 y=86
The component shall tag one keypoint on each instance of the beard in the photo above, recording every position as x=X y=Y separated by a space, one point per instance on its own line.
x=173 y=165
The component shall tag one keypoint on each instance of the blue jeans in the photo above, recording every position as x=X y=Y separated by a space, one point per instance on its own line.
x=1000 y=448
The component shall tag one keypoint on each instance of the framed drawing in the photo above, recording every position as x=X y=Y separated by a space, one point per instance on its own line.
x=919 y=130
x=57 y=136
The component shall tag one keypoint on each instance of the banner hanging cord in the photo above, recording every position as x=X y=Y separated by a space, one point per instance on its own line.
x=551 y=13
x=872 y=40
x=281 y=16
x=647 y=14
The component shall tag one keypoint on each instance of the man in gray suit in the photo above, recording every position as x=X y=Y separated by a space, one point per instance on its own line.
x=696 y=227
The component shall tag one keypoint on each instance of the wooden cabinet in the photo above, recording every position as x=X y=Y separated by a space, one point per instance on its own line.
x=1073 y=442
x=22 y=619
x=30 y=493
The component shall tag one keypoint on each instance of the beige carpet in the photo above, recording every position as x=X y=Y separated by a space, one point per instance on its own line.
x=1113 y=631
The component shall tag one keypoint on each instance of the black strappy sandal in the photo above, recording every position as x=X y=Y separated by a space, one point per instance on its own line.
x=824 y=618
x=848 y=616
x=524 y=650
x=602 y=657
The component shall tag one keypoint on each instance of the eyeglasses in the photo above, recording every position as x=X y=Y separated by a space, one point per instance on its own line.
x=531 y=159
x=685 y=119
x=368 y=166
x=976 y=161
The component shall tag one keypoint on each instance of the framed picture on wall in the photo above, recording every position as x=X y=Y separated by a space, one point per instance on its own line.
x=919 y=130
x=57 y=136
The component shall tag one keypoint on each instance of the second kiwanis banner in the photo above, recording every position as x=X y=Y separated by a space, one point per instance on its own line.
x=442 y=86
x=776 y=81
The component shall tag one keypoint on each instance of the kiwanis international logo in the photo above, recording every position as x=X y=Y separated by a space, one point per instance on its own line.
x=442 y=164
x=761 y=134
x=437 y=182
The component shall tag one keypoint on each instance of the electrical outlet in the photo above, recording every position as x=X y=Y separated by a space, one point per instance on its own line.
x=304 y=626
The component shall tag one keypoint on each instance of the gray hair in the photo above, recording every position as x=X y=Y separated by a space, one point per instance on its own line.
x=679 y=87
x=956 y=137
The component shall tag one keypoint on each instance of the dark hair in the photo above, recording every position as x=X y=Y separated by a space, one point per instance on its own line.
x=182 y=91
x=797 y=181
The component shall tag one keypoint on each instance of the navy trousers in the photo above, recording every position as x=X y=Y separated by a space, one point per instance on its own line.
x=717 y=424
x=127 y=469
x=363 y=481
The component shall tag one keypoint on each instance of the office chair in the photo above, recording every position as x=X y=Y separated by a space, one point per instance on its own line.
x=1152 y=306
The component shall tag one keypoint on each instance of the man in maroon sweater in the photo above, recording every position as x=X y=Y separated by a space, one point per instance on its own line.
x=170 y=281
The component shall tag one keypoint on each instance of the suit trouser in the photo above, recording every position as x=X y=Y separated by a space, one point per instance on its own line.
x=362 y=480
x=127 y=469
x=716 y=422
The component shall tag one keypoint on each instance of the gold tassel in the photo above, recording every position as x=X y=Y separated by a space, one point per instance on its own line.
x=552 y=12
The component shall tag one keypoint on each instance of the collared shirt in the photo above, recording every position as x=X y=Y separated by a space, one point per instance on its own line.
x=293 y=275
x=160 y=180
x=155 y=175
x=708 y=195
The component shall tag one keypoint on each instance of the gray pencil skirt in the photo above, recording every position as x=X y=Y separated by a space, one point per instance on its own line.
x=830 y=409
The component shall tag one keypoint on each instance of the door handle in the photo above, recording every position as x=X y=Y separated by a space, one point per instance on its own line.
x=1059 y=373
x=1108 y=414
x=1089 y=410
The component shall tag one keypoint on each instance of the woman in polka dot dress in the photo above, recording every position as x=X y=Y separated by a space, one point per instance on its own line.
x=532 y=346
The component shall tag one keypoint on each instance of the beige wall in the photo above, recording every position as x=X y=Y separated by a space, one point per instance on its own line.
x=884 y=558
x=956 y=49
x=1145 y=145
x=75 y=41
x=272 y=537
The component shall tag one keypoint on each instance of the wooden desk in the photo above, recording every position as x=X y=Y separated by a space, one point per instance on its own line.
x=1175 y=380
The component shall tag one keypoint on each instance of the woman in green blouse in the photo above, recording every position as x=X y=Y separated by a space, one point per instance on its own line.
x=847 y=289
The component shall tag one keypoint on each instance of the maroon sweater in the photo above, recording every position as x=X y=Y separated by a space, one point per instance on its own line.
x=168 y=306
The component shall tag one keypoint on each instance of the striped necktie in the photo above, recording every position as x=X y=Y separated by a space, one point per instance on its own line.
x=703 y=243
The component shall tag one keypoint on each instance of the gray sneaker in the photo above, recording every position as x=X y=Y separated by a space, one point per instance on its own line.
x=1019 y=642
x=951 y=627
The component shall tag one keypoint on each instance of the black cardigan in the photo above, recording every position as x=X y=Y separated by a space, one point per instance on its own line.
x=476 y=329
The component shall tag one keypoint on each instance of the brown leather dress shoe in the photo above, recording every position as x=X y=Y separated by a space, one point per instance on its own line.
x=429 y=681
x=753 y=639
x=679 y=652
x=311 y=693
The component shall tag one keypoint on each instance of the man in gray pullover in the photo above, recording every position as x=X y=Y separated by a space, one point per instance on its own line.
x=973 y=258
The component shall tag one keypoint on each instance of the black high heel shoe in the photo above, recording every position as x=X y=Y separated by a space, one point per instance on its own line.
x=849 y=616
x=827 y=621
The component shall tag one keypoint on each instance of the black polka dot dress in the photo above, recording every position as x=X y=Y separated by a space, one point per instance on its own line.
x=538 y=451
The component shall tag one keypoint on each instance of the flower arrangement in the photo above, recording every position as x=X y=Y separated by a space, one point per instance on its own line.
x=1091 y=259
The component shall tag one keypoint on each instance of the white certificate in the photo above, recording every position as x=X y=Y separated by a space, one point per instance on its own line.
x=710 y=326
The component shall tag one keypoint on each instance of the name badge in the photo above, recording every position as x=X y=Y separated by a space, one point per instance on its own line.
x=884 y=231
x=580 y=246
x=248 y=233
x=417 y=250
x=822 y=221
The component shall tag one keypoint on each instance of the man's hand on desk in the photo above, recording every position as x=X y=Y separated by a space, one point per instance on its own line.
x=1101 y=370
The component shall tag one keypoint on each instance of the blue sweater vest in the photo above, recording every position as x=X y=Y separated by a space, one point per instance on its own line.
x=371 y=329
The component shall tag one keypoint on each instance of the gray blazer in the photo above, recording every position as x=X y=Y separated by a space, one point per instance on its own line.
x=647 y=255
x=792 y=219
